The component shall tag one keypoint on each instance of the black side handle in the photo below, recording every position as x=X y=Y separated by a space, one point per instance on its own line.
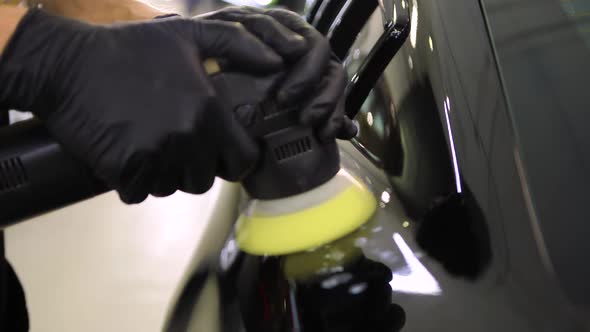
x=348 y=24
x=361 y=84
x=326 y=14
x=313 y=10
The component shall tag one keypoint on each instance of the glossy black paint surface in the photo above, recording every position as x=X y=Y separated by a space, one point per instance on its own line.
x=276 y=295
x=370 y=280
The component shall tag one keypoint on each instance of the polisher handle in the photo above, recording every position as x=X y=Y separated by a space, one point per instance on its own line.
x=37 y=175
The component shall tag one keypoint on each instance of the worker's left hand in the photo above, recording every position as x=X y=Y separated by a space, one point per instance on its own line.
x=317 y=76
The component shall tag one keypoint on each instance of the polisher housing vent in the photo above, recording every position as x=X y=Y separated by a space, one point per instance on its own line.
x=12 y=174
x=293 y=148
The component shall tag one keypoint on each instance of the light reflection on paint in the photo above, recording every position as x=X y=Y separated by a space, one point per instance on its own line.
x=431 y=44
x=447 y=107
x=414 y=28
x=357 y=289
x=416 y=279
x=294 y=314
x=336 y=22
x=385 y=197
x=336 y=280
x=228 y=254
x=370 y=119
x=257 y=3
x=342 y=172
x=356 y=54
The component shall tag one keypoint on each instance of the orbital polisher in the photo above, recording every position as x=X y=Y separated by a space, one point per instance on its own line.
x=300 y=197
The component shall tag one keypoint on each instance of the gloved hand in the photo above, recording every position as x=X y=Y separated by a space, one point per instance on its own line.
x=133 y=100
x=317 y=76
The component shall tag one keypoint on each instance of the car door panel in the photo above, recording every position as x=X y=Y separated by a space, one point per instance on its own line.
x=451 y=246
x=544 y=61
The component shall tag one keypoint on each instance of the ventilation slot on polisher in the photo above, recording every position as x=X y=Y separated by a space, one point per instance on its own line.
x=12 y=174
x=293 y=148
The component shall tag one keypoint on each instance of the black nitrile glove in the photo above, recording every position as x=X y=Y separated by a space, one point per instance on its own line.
x=133 y=100
x=317 y=77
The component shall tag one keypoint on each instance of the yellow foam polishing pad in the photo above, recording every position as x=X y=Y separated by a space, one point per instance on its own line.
x=259 y=233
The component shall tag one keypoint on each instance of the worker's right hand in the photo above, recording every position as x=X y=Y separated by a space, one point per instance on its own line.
x=316 y=77
x=133 y=101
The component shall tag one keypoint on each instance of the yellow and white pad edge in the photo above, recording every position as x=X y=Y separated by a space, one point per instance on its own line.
x=305 y=221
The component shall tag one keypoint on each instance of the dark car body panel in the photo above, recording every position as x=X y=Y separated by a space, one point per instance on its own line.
x=544 y=63
x=474 y=139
